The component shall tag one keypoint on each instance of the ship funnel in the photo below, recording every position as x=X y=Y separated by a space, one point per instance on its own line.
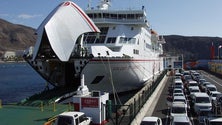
x=83 y=89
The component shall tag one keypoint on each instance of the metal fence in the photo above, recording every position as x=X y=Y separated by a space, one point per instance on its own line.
x=124 y=114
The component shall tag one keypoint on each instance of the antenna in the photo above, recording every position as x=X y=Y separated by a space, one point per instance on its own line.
x=89 y=5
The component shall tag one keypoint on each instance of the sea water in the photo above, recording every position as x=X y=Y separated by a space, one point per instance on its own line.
x=19 y=81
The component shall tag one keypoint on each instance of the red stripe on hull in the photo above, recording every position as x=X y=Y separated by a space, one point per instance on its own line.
x=85 y=16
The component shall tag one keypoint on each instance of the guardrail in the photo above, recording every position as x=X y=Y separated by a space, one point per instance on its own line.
x=125 y=114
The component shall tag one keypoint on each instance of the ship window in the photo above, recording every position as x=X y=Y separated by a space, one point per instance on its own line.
x=148 y=46
x=90 y=39
x=113 y=16
x=104 y=30
x=125 y=40
x=135 y=51
x=105 y=15
x=130 y=16
x=90 y=15
x=122 y=16
x=101 y=39
x=99 y=15
x=131 y=40
x=111 y=40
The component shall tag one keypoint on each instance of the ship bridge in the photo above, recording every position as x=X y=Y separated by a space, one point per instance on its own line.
x=135 y=17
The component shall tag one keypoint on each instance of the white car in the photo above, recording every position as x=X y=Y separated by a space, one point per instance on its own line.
x=181 y=120
x=177 y=90
x=213 y=121
x=192 y=83
x=152 y=120
x=73 y=118
x=193 y=89
x=178 y=109
x=200 y=81
x=181 y=99
x=210 y=88
x=213 y=95
x=200 y=101
x=178 y=84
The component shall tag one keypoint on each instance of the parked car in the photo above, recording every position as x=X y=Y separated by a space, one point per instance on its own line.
x=196 y=76
x=200 y=81
x=210 y=88
x=193 y=89
x=177 y=90
x=213 y=95
x=218 y=99
x=177 y=75
x=203 y=86
x=213 y=121
x=181 y=99
x=201 y=115
x=178 y=109
x=192 y=83
x=73 y=118
x=152 y=120
x=200 y=101
x=178 y=84
x=181 y=120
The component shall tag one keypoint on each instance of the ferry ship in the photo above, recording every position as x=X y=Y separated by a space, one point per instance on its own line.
x=116 y=50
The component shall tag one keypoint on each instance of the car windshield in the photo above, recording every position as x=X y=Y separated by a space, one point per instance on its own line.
x=212 y=89
x=180 y=100
x=62 y=120
x=195 y=90
x=202 y=100
x=178 y=110
x=181 y=123
x=148 y=123
x=178 y=91
x=178 y=94
x=214 y=95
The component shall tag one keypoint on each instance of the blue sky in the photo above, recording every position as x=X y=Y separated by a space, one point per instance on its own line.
x=167 y=17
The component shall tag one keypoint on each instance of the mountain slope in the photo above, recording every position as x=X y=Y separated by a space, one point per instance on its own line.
x=15 y=37
x=192 y=47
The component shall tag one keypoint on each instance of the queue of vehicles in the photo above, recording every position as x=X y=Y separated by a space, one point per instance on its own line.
x=202 y=99
x=191 y=97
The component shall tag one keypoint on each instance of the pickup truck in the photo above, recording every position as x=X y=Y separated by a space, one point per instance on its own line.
x=73 y=118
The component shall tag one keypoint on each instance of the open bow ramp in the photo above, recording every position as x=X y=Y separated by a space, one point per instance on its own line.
x=62 y=27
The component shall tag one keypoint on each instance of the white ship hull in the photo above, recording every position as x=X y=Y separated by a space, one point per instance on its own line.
x=120 y=74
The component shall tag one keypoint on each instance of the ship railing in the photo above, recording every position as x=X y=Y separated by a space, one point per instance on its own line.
x=123 y=20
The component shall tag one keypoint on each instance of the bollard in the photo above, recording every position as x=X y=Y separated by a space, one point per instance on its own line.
x=41 y=106
x=54 y=107
x=69 y=106
x=0 y=103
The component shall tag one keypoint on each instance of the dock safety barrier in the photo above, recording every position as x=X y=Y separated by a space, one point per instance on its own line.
x=0 y=103
x=124 y=114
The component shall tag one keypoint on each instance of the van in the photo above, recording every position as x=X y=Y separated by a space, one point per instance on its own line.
x=200 y=101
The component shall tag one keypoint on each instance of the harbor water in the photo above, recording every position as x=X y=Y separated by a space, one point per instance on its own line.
x=18 y=81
